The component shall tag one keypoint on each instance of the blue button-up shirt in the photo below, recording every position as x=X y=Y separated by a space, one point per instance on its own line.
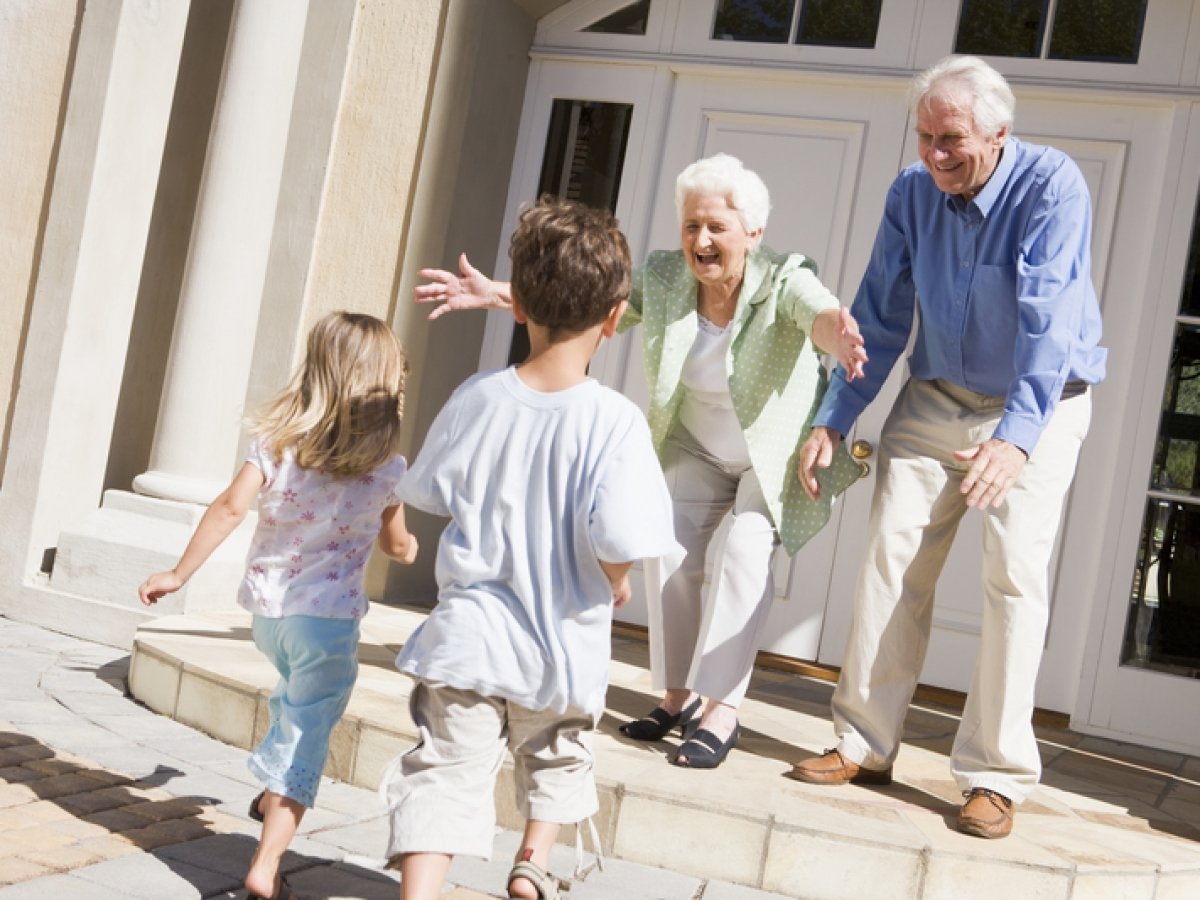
x=1004 y=287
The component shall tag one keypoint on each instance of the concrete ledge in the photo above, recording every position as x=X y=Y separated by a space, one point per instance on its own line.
x=1106 y=823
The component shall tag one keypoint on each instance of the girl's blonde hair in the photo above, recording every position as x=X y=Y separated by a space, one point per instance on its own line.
x=341 y=412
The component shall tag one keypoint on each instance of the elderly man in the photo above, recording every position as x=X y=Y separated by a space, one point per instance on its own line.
x=989 y=237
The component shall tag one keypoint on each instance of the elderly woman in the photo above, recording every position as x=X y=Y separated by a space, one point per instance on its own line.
x=729 y=329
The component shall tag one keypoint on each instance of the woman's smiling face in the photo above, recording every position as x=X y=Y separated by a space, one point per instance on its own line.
x=957 y=154
x=714 y=240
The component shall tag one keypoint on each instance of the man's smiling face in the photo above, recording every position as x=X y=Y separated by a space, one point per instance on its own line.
x=957 y=154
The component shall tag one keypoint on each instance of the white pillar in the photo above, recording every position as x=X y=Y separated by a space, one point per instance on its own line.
x=196 y=439
x=117 y=110
x=105 y=556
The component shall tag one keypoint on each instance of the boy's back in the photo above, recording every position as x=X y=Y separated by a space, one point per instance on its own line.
x=539 y=488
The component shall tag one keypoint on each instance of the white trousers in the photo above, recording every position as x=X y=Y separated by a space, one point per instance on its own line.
x=914 y=516
x=707 y=641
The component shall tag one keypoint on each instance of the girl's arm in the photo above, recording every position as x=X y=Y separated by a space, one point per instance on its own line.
x=222 y=516
x=618 y=576
x=394 y=537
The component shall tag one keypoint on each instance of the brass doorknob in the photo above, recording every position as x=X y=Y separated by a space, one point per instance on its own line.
x=861 y=449
x=863 y=470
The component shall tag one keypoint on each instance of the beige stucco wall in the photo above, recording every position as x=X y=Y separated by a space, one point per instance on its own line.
x=35 y=46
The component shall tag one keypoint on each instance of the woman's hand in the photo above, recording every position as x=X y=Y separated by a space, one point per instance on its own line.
x=817 y=453
x=469 y=290
x=835 y=332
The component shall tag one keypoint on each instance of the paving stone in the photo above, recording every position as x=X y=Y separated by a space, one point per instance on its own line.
x=61 y=887
x=14 y=869
x=146 y=875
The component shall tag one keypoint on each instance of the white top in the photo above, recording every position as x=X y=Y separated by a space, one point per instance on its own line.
x=314 y=536
x=706 y=409
x=538 y=487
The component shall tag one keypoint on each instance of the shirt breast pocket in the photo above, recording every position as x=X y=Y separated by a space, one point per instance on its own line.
x=994 y=303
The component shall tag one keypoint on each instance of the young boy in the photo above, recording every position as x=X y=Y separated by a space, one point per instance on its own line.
x=552 y=488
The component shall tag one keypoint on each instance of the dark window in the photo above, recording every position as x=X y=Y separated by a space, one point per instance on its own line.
x=629 y=19
x=1098 y=30
x=584 y=156
x=1082 y=30
x=839 y=23
x=763 y=21
x=1001 y=27
x=1162 y=631
x=834 y=23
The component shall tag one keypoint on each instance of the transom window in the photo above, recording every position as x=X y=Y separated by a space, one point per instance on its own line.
x=833 y=23
x=1081 y=30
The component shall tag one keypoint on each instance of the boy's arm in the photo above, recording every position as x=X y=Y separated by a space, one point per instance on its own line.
x=618 y=577
x=394 y=537
x=219 y=520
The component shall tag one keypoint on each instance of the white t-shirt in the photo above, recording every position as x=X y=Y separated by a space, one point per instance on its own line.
x=538 y=487
x=314 y=537
x=706 y=409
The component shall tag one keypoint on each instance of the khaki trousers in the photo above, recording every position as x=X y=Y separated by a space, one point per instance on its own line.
x=707 y=640
x=915 y=514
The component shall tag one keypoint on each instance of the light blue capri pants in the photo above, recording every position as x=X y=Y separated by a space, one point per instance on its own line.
x=317 y=660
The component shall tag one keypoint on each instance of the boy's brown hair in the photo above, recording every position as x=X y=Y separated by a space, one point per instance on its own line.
x=570 y=265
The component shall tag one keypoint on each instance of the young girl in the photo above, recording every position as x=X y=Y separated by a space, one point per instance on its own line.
x=324 y=467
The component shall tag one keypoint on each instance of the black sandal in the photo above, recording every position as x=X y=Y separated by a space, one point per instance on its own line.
x=658 y=723
x=255 y=812
x=704 y=750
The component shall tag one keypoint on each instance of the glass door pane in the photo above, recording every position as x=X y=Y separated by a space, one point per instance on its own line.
x=583 y=159
x=1162 y=630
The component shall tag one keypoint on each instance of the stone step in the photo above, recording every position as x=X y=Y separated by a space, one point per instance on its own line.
x=1109 y=820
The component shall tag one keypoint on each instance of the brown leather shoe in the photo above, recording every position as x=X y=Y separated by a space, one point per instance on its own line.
x=986 y=814
x=833 y=768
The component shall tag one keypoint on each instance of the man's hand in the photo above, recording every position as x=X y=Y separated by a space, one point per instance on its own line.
x=817 y=453
x=995 y=466
x=469 y=290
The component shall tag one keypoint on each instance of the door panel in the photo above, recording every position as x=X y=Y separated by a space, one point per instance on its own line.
x=827 y=153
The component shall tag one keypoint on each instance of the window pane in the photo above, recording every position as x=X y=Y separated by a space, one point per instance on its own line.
x=584 y=156
x=627 y=20
x=1001 y=27
x=1097 y=30
x=1190 y=305
x=839 y=23
x=1176 y=462
x=763 y=21
x=1162 y=631
x=585 y=151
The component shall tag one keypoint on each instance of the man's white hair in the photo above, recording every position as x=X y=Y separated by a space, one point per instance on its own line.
x=992 y=101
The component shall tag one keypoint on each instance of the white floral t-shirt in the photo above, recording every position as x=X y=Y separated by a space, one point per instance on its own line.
x=314 y=537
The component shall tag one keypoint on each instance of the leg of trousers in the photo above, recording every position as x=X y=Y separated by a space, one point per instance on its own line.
x=707 y=641
x=915 y=513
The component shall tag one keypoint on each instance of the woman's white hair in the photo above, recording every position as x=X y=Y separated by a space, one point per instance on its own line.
x=722 y=175
x=992 y=101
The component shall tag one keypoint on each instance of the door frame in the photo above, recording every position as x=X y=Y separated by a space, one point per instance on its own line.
x=1112 y=699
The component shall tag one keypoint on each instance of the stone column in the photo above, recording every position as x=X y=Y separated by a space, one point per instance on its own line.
x=196 y=438
x=199 y=423
x=101 y=191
